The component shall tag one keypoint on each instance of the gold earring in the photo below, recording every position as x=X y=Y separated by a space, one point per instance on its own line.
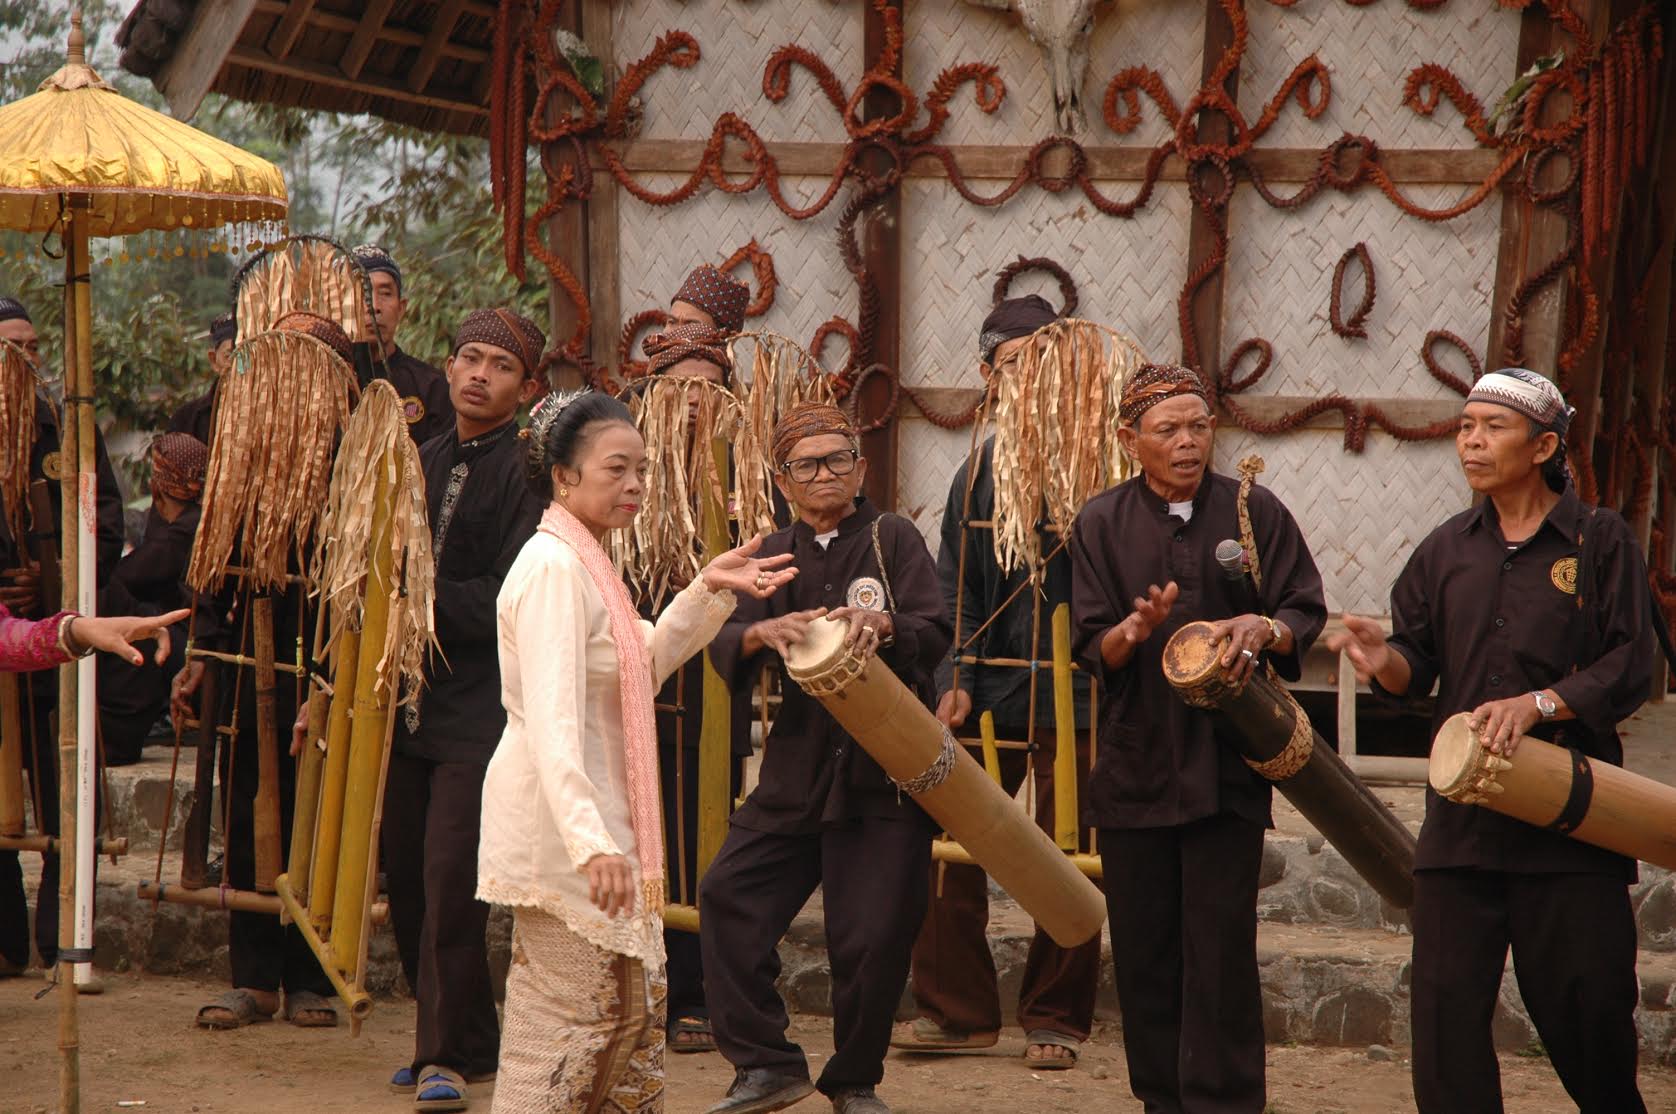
x=564 y=493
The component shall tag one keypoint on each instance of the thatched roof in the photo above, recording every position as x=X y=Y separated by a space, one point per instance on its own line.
x=418 y=62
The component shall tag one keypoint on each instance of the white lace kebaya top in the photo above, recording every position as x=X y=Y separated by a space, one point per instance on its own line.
x=556 y=791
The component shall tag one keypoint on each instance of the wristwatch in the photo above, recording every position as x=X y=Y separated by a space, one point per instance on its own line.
x=1545 y=704
x=1274 y=629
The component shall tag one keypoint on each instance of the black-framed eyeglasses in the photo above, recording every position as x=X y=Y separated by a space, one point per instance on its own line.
x=806 y=468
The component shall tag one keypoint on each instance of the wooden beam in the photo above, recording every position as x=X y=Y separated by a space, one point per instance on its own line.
x=604 y=252
x=880 y=235
x=289 y=29
x=365 y=36
x=566 y=232
x=390 y=32
x=1655 y=370
x=1214 y=128
x=447 y=17
x=192 y=68
x=1290 y=165
x=320 y=74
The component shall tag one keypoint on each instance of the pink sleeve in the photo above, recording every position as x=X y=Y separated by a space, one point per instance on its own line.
x=27 y=645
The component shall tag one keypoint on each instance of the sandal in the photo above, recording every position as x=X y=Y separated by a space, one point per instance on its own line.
x=307 y=1010
x=239 y=1007
x=440 y=1089
x=1061 y=1051
x=403 y=1081
x=925 y=1035
x=691 y=1034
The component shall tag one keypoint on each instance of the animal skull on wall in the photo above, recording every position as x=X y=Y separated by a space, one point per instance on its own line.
x=1061 y=29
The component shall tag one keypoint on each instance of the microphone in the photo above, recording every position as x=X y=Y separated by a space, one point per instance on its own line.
x=1230 y=554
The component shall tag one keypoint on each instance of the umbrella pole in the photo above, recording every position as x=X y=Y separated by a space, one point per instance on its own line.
x=87 y=582
x=75 y=273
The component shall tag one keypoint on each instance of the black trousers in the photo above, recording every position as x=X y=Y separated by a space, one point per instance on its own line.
x=264 y=954
x=1573 y=942
x=1183 y=908
x=684 y=954
x=38 y=694
x=432 y=813
x=873 y=874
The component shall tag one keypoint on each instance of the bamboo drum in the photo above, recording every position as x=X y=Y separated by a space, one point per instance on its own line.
x=1277 y=740
x=1617 y=810
x=885 y=718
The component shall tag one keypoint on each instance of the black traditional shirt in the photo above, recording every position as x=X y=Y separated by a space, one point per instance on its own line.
x=1160 y=761
x=1004 y=690
x=109 y=533
x=196 y=417
x=482 y=511
x=813 y=774
x=150 y=578
x=423 y=390
x=1490 y=621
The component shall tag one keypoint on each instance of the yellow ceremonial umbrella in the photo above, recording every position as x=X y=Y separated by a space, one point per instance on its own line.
x=80 y=158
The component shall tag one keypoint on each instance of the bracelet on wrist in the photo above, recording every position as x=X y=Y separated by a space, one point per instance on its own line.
x=66 y=639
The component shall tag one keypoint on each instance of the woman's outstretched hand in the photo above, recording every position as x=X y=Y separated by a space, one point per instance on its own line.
x=740 y=570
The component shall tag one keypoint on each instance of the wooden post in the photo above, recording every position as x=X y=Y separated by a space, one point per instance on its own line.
x=194 y=853
x=601 y=210
x=567 y=230
x=1201 y=234
x=266 y=821
x=881 y=248
x=11 y=756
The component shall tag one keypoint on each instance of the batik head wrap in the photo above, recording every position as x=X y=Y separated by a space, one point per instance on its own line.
x=1536 y=397
x=373 y=258
x=503 y=329
x=327 y=331
x=683 y=339
x=717 y=293
x=178 y=464
x=12 y=310
x=1013 y=318
x=809 y=419
x=1155 y=383
x=222 y=329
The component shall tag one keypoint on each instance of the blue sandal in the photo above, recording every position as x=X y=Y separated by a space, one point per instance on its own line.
x=439 y=1089
x=403 y=1082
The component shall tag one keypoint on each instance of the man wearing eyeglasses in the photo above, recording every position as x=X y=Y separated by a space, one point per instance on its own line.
x=823 y=813
x=1181 y=816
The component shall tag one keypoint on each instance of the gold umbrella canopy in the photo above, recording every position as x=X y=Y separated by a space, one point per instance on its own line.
x=141 y=169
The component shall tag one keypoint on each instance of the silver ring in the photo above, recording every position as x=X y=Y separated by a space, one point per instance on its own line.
x=1248 y=653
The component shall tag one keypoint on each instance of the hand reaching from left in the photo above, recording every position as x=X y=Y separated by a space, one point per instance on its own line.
x=740 y=570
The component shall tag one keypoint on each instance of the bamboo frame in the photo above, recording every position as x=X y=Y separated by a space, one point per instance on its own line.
x=266 y=816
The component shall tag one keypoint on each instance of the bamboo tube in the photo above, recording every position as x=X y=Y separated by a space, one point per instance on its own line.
x=682 y=918
x=194 y=854
x=243 y=901
x=11 y=756
x=43 y=844
x=1065 y=734
x=715 y=742
x=355 y=997
x=367 y=735
x=991 y=753
x=247 y=662
x=334 y=777
x=309 y=767
x=266 y=818
x=950 y=851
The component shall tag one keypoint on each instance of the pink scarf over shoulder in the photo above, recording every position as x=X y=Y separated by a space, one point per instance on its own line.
x=640 y=739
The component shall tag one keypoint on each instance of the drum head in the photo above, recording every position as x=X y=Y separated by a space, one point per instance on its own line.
x=1190 y=656
x=1455 y=754
x=820 y=650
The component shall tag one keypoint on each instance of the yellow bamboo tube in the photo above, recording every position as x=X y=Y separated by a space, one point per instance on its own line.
x=715 y=740
x=334 y=775
x=945 y=851
x=682 y=918
x=355 y=997
x=367 y=736
x=991 y=752
x=310 y=764
x=11 y=756
x=1065 y=731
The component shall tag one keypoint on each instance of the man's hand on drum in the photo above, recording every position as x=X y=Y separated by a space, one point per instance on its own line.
x=1500 y=723
x=1246 y=636
x=781 y=633
x=954 y=707
x=868 y=629
x=740 y=570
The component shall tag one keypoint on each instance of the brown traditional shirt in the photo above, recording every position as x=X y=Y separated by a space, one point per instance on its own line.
x=1487 y=621
x=1160 y=761
x=813 y=774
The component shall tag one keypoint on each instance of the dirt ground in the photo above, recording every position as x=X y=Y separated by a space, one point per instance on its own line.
x=139 y=1049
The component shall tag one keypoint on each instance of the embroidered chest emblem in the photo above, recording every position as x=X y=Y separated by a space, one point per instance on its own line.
x=866 y=593
x=412 y=409
x=1564 y=575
